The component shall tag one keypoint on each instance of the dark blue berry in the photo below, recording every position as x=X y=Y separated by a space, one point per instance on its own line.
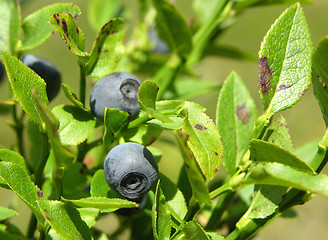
x=131 y=170
x=117 y=90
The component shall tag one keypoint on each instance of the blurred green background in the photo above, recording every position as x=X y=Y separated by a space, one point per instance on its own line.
x=304 y=119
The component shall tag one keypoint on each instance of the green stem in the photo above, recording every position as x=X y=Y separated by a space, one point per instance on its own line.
x=82 y=84
x=31 y=226
x=193 y=208
x=44 y=154
x=221 y=190
x=141 y=119
x=219 y=209
x=205 y=33
x=18 y=127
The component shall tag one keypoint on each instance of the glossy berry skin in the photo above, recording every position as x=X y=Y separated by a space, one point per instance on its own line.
x=47 y=71
x=116 y=90
x=131 y=170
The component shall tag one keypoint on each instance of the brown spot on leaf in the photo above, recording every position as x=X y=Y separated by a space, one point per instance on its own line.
x=264 y=73
x=200 y=127
x=242 y=113
x=77 y=30
x=40 y=193
x=187 y=166
x=47 y=218
x=216 y=153
x=56 y=15
x=64 y=27
x=283 y=87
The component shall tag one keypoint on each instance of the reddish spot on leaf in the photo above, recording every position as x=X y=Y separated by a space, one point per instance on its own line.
x=64 y=27
x=242 y=113
x=200 y=127
x=40 y=193
x=47 y=218
x=216 y=153
x=56 y=15
x=264 y=73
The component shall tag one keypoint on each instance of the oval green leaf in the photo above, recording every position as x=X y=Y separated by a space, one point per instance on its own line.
x=66 y=26
x=76 y=124
x=262 y=151
x=285 y=61
x=65 y=219
x=320 y=76
x=14 y=176
x=36 y=28
x=283 y=175
x=108 y=37
x=236 y=115
x=24 y=81
x=10 y=25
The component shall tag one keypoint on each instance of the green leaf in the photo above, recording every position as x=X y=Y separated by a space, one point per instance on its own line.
x=65 y=219
x=195 y=177
x=6 y=213
x=248 y=3
x=204 y=141
x=147 y=97
x=278 y=134
x=76 y=124
x=102 y=203
x=214 y=236
x=236 y=115
x=283 y=175
x=71 y=95
x=267 y=198
x=265 y=201
x=193 y=231
x=160 y=216
x=144 y=134
x=174 y=198
x=285 y=61
x=176 y=123
x=14 y=157
x=107 y=50
x=62 y=155
x=320 y=76
x=74 y=181
x=173 y=27
x=106 y=33
x=10 y=25
x=66 y=26
x=114 y=120
x=36 y=28
x=14 y=176
x=89 y=215
x=23 y=80
x=100 y=11
x=99 y=186
x=262 y=151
